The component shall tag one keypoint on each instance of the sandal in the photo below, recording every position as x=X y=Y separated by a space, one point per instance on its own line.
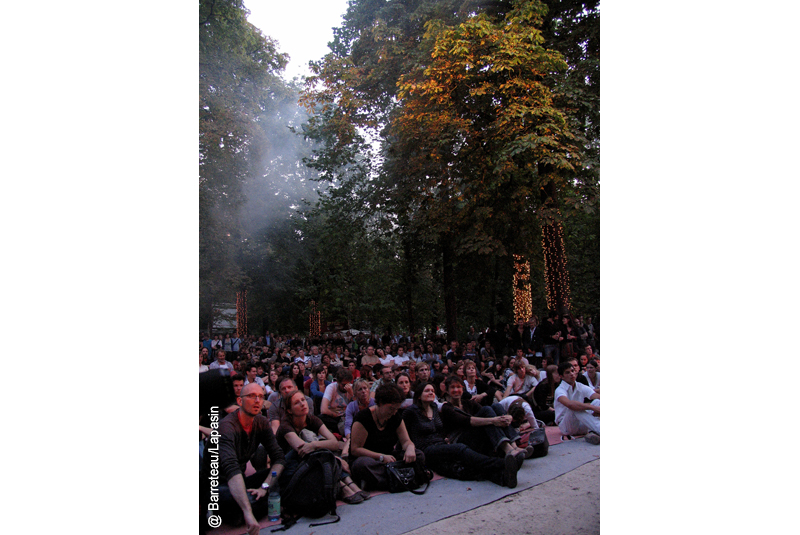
x=353 y=499
x=364 y=494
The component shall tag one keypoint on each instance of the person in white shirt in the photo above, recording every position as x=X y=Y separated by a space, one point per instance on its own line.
x=522 y=383
x=592 y=375
x=386 y=359
x=573 y=415
x=315 y=359
x=335 y=400
x=401 y=357
x=221 y=362
x=203 y=367
x=302 y=357
x=235 y=344
x=251 y=376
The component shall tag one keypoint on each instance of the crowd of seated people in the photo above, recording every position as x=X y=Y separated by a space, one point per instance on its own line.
x=374 y=400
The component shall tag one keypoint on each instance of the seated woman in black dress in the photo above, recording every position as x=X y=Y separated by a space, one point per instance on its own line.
x=375 y=433
x=426 y=430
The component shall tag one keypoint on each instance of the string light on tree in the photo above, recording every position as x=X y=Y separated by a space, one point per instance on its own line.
x=314 y=321
x=241 y=313
x=556 y=277
x=523 y=307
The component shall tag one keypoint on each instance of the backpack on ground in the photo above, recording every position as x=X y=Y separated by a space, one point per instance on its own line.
x=312 y=489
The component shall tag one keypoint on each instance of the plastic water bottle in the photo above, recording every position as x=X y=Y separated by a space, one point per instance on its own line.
x=274 y=500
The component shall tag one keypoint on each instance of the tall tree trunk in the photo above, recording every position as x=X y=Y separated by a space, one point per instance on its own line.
x=448 y=284
x=409 y=289
x=493 y=305
x=241 y=313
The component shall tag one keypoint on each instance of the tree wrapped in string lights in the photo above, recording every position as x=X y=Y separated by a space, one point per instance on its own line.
x=523 y=308
x=556 y=277
x=314 y=321
x=241 y=313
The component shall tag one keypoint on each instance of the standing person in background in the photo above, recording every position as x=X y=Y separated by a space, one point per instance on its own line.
x=236 y=343
x=535 y=341
x=552 y=338
x=569 y=337
x=518 y=334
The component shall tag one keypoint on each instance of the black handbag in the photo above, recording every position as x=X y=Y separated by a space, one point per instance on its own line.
x=403 y=477
x=538 y=440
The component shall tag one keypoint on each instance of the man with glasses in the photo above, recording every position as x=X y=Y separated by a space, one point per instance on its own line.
x=240 y=435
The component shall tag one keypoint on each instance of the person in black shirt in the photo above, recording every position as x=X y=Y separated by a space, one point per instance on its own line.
x=426 y=429
x=375 y=432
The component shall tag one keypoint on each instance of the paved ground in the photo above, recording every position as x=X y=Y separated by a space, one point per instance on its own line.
x=568 y=504
x=556 y=494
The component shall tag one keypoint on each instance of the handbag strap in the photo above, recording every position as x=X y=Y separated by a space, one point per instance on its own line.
x=419 y=492
x=428 y=478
